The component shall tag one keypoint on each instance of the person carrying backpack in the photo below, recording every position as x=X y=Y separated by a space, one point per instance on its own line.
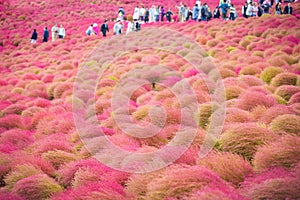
x=224 y=7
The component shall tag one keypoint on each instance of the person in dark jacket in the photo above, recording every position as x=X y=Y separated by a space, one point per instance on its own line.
x=288 y=9
x=217 y=13
x=46 y=35
x=34 y=37
x=244 y=10
x=169 y=15
x=104 y=28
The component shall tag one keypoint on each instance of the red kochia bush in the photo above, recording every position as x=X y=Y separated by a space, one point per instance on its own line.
x=36 y=187
x=182 y=180
x=274 y=183
x=249 y=100
x=67 y=172
x=109 y=190
x=16 y=137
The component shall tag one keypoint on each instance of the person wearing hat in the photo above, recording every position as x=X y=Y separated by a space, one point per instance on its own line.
x=104 y=28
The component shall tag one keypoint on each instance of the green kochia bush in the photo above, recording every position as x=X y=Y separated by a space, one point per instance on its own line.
x=284 y=79
x=231 y=167
x=269 y=73
x=244 y=139
x=288 y=123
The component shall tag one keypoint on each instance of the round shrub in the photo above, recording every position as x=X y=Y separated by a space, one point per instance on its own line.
x=295 y=98
x=269 y=73
x=244 y=139
x=285 y=78
x=58 y=157
x=178 y=181
x=252 y=99
x=271 y=113
x=36 y=187
x=250 y=70
x=19 y=172
x=108 y=190
x=283 y=152
x=276 y=188
x=233 y=92
x=287 y=91
x=287 y=123
x=230 y=167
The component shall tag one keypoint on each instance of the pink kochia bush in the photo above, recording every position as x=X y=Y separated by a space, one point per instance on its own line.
x=99 y=190
x=37 y=187
x=17 y=138
x=283 y=152
x=177 y=181
x=249 y=100
x=67 y=172
x=276 y=183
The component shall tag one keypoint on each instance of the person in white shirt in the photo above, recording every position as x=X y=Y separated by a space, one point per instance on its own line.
x=118 y=27
x=54 y=31
x=130 y=26
x=136 y=13
x=142 y=13
x=249 y=10
x=61 y=32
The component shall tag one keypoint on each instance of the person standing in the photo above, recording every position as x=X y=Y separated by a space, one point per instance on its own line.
x=232 y=13
x=266 y=7
x=169 y=15
x=46 y=35
x=54 y=31
x=288 y=9
x=249 y=10
x=217 y=13
x=104 y=28
x=130 y=25
x=61 y=32
x=224 y=7
x=195 y=12
x=255 y=9
x=118 y=27
x=162 y=13
x=278 y=10
x=244 y=9
x=142 y=13
x=121 y=13
x=204 y=12
x=34 y=37
x=136 y=13
x=146 y=15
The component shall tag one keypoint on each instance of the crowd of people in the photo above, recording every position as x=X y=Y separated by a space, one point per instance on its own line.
x=199 y=12
x=56 y=33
